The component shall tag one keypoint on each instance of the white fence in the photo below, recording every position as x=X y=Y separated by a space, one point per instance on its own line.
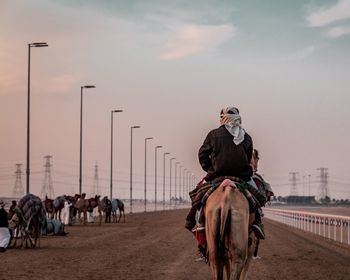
x=329 y=226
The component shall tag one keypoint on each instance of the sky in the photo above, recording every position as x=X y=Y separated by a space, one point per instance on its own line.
x=171 y=66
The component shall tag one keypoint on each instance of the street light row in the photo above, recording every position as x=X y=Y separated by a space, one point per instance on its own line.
x=43 y=44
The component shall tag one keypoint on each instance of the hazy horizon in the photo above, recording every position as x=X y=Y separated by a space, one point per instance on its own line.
x=171 y=66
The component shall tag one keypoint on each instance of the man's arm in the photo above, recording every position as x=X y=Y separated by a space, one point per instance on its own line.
x=204 y=154
x=249 y=148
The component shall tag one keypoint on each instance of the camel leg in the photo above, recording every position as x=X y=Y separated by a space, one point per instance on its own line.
x=251 y=249
x=114 y=215
x=85 y=217
x=120 y=215
x=124 y=215
x=212 y=232
x=240 y=253
x=237 y=270
x=100 y=216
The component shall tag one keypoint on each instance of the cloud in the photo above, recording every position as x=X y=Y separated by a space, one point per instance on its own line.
x=301 y=54
x=191 y=39
x=327 y=15
x=338 y=31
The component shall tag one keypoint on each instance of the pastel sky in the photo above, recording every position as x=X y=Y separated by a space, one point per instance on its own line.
x=171 y=66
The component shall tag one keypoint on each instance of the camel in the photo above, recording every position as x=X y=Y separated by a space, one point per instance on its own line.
x=82 y=206
x=96 y=202
x=117 y=204
x=28 y=220
x=58 y=205
x=106 y=207
x=229 y=243
x=48 y=203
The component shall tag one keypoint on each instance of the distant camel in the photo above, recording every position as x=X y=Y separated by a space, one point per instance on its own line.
x=96 y=202
x=48 y=203
x=106 y=207
x=28 y=220
x=82 y=206
x=229 y=242
x=117 y=204
x=58 y=205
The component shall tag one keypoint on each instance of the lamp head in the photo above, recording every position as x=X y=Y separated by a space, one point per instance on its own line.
x=38 y=45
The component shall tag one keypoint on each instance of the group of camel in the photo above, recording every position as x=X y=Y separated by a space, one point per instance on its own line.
x=230 y=244
x=79 y=204
x=28 y=218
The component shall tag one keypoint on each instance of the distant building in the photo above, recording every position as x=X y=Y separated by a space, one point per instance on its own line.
x=295 y=199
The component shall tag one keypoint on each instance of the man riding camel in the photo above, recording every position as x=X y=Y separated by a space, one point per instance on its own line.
x=226 y=151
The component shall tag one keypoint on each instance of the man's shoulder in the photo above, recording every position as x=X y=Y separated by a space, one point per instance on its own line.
x=213 y=132
x=247 y=136
x=219 y=129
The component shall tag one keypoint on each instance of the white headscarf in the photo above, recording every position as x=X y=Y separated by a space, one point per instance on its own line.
x=232 y=120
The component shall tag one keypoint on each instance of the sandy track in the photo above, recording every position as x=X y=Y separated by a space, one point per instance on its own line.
x=156 y=246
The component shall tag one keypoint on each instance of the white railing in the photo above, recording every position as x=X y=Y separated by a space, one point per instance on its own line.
x=328 y=226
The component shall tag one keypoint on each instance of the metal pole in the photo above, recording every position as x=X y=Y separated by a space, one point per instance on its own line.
x=131 y=166
x=171 y=160
x=41 y=44
x=111 y=176
x=176 y=182
x=184 y=184
x=164 y=179
x=28 y=125
x=131 y=170
x=145 y=190
x=180 y=169
x=155 y=177
x=81 y=138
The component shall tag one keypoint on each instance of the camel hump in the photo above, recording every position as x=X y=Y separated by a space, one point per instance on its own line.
x=225 y=194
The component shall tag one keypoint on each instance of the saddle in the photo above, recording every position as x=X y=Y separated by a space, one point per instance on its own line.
x=256 y=197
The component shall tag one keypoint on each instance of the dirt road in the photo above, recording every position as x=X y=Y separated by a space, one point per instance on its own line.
x=156 y=246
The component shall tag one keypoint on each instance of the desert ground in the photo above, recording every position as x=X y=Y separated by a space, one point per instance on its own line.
x=155 y=245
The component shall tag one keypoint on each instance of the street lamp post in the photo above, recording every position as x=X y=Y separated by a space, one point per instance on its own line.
x=171 y=160
x=164 y=179
x=176 y=181
x=145 y=191
x=35 y=45
x=81 y=134
x=184 y=184
x=180 y=169
x=155 y=177
x=131 y=128
x=111 y=176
